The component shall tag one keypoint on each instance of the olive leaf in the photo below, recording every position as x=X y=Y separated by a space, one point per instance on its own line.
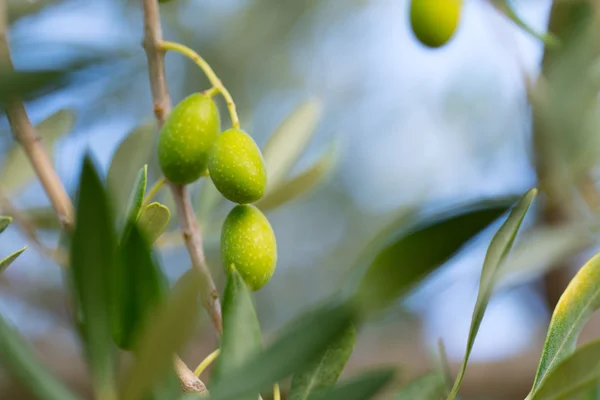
x=575 y=374
x=324 y=371
x=169 y=329
x=364 y=387
x=42 y=217
x=136 y=198
x=24 y=366
x=241 y=340
x=289 y=141
x=577 y=303
x=4 y=222
x=16 y=171
x=17 y=8
x=431 y=386
x=496 y=254
x=92 y=264
x=154 y=219
x=5 y=263
x=208 y=198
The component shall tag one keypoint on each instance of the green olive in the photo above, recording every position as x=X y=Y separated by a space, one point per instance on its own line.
x=434 y=21
x=248 y=245
x=237 y=168
x=186 y=138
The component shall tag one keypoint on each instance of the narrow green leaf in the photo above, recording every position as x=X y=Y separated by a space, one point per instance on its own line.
x=324 y=371
x=5 y=263
x=153 y=220
x=131 y=155
x=577 y=303
x=241 y=340
x=22 y=363
x=410 y=258
x=138 y=289
x=307 y=337
x=299 y=185
x=364 y=387
x=16 y=171
x=289 y=141
x=427 y=387
x=577 y=373
x=93 y=259
x=167 y=332
x=496 y=254
x=4 y=222
x=136 y=198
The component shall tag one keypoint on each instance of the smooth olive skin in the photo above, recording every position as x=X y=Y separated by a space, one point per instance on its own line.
x=237 y=167
x=187 y=137
x=434 y=22
x=248 y=244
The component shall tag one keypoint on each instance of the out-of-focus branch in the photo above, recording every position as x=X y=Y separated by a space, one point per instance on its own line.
x=26 y=135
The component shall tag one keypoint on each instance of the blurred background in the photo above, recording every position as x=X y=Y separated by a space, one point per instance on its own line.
x=411 y=127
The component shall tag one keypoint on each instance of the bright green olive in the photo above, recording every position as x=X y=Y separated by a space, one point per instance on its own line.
x=187 y=137
x=434 y=21
x=237 y=168
x=248 y=245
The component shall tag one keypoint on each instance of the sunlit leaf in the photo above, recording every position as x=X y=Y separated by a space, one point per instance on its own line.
x=23 y=365
x=93 y=259
x=299 y=185
x=4 y=222
x=153 y=220
x=17 y=171
x=363 y=387
x=427 y=387
x=5 y=263
x=170 y=328
x=496 y=254
x=289 y=141
x=324 y=371
x=241 y=340
x=577 y=303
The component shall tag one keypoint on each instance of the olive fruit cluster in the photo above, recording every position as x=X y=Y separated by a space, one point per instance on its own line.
x=435 y=21
x=190 y=146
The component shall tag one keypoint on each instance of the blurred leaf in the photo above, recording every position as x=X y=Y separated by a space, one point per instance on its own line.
x=5 y=263
x=17 y=171
x=22 y=363
x=18 y=8
x=42 y=217
x=364 y=387
x=304 y=182
x=496 y=254
x=136 y=198
x=208 y=199
x=577 y=303
x=139 y=287
x=307 y=337
x=411 y=257
x=241 y=340
x=131 y=155
x=427 y=387
x=4 y=222
x=577 y=373
x=286 y=145
x=169 y=329
x=324 y=370
x=153 y=220
x=93 y=259
x=505 y=7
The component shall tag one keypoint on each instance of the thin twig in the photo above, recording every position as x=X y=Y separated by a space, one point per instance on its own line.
x=26 y=135
x=191 y=233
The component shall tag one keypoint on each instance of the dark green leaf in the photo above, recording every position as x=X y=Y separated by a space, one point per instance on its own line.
x=136 y=198
x=292 y=351
x=241 y=331
x=4 y=222
x=168 y=331
x=363 y=387
x=428 y=387
x=496 y=254
x=93 y=258
x=139 y=288
x=153 y=220
x=324 y=371
x=413 y=256
x=22 y=363
x=5 y=263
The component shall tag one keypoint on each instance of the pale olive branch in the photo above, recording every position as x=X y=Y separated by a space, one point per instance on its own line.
x=206 y=362
x=218 y=86
x=154 y=190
